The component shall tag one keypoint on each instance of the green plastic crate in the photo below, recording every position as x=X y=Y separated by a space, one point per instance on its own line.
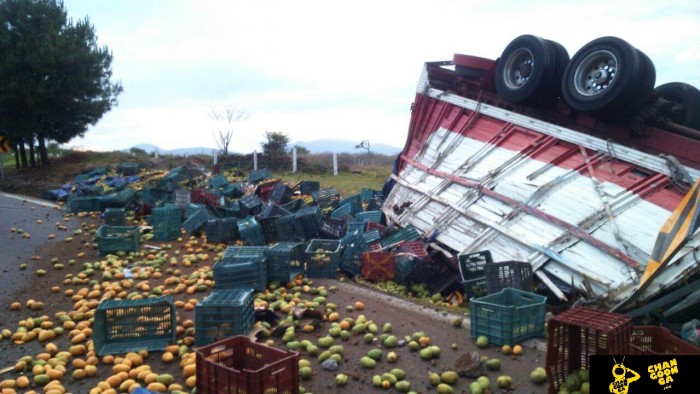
x=222 y=314
x=221 y=230
x=166 y=222
x=112 y=239
x=508 y=317
x=285 y=261
x=132 y=325
x=349 y=209
x=241 y=272
x=84 y=204
x=323 y=258
x=250 y=231
x=311 y=219
x=289 y=228
x=238 y=251
x=115 y=217
x=408 y=233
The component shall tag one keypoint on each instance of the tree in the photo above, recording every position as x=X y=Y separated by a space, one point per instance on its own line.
x=302 y=150
x=275 y=144
x=224 y=135
x=55 y=80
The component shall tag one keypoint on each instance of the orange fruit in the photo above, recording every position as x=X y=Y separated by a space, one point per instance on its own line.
x=517 y=350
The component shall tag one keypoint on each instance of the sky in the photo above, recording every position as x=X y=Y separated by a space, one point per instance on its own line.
x=332 y=69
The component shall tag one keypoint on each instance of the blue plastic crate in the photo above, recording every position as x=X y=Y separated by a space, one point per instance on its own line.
x=250 y=231
x=323 y=258
x=224 y=313
x=508 y=317
x=222 y=230
x=197 y=220
x=241 y=271
x=285 y=261
x=166 y=222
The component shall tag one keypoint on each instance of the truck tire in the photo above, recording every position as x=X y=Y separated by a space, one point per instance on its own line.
x=686 y=100
x=526 y=70
x=608 y=78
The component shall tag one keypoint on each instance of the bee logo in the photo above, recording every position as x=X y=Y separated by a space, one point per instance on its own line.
x=621 y=383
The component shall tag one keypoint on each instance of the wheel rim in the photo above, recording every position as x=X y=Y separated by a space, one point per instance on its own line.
x=518 y=68
x=595 y=73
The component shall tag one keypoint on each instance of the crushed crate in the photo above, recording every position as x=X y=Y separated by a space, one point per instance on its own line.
x=196 y=220
x=250 y=205
x=281 y=194
x=322 y=258
x=257 y=176
x=311 y=219
x=113 y=239
x=408 y=233
x=289 y=228
x=221 y=230
x=657 y=340
x=250 y=231
x=239 y=365
x=132 y=325
x=78 y=204
x=308 y=187
x=285 y=261
x=166 y=222
x=115 y=217
x=333 y=228
x=576 y=334
x=241 y=272
x=222 y=314
x=508 y=317
x=471 y=269
x=513 y=274
x=349 y=209
x=326 y=198
x=378 y=266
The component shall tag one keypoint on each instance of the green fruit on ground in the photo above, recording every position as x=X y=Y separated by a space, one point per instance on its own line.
x=482 y=341
x=377 y=381
x=538 y=376
x=449 y=377
x=504 y=382
x=585 y=388
x=454 y=346
x=326 y=342
x=369 y=337
x=335 y=331
x=336 y=349
x=443 y=388
x=493 y=364
x=426 y=354
x=435 y=350
x=392 y=357
x=457 y=322
x=324 y=356
x=484 y=382
x=387 y=327
x=305 y=373
x=413 y=346
x=434 y=379
x=403 y=386
x=389 y=378
x=573 y=382
x=583 y=375
x=390 y=341
x=375 y=354
x=368 y=362
x=475 y=388
x=399 y=373
x=304 y=363
x=341 y=379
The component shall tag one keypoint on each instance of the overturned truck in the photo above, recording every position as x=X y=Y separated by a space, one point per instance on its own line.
x=576 y=165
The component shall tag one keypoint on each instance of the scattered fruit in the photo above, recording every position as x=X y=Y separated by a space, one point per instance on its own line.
x=482 y=341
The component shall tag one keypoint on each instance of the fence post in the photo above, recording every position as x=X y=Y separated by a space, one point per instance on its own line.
x=255 y=160
x=294 y=160
x=335 y=164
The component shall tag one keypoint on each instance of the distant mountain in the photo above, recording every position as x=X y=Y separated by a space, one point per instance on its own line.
x=177 y=152
x=345 y=146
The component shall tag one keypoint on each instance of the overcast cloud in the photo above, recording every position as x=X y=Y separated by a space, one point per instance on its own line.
x=328 y=69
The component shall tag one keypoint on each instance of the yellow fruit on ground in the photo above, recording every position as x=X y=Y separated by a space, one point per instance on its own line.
x=506 y=349
x=517 y=350
x=359 y=305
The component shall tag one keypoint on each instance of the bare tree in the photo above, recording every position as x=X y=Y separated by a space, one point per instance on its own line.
x=225 y=119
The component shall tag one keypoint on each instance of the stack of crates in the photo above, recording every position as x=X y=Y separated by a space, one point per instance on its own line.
x=508 y=317
x=115 y=216
x=240 y=272
x=576 y=334
x=471 y=268
x=223 y=314
x=166 y=223
x=250 y=231
x=132 y=325
x=322 y=258
x=239 y=365
x=222 y=230
x=311 y=219
x=285 y=261
x=113 y=239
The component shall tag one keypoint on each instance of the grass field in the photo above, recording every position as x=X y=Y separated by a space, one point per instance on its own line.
x=346 y=183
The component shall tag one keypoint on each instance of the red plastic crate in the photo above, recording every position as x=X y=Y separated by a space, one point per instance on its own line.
x=374 y=225
x=264 y=190
x=200 y=196
x=238 y=365
x=574 y=335
x=378 y=266
x=415 y=249
x=659 y=340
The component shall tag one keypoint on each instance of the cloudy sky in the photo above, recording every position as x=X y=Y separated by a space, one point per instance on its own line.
x=331 y=69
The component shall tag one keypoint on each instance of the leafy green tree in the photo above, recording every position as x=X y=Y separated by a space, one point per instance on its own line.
x=275 y=144
x=55 y=80
x=301 y=150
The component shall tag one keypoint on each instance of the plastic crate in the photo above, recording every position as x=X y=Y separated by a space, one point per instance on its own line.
x=289 y=228
x=239 y=365
x=371 y=236
x=369 y=217
x=154 y=196
x=234 y=211
x=222 y=314
x=183 y=197
x=222 y=230
x=333 y=228
x=578 y=333
x=351 y=260
x=269 y=228
x=196 y=220
x=355 y=227
x=218 y=181
x=166 y=223
x=408 y=233
x=250 y=231
x=308 y=187
x=193 y=208
x=264 y=190
x=285 y=261
x=233 y=190
x=250 y=205
x=322 y=264
x=201 y=196
x=658 y=340
x=471 y=269
x=513 y=274
x=84 y=204
x=326 y=197
x=132 y=325
x=257 y=176
x=128 y=168
x=378 y=266
x=239 y=251
x=241 y=272
x=355 y=198
x=272 y=210
x=368 y=194
x=115 y=217
x=113 y=239
x=508 y=317
x=281 y=194
x=311 y=219
x=121 y=199
x=349 y=209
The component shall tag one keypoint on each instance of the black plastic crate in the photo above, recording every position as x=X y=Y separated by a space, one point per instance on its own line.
x=471 y=269
x=322 y=258
x=308 y=187
x=285 y=261
x=281 y=194
x=311 y=219
x=222 y=230
x=513 y=274
x=333 y=228
x=224 y=313
x=250 y=205
x=240 y=272
x=289 y=228
x=166 y=223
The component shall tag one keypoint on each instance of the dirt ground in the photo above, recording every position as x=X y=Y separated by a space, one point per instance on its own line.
x=405 y=316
